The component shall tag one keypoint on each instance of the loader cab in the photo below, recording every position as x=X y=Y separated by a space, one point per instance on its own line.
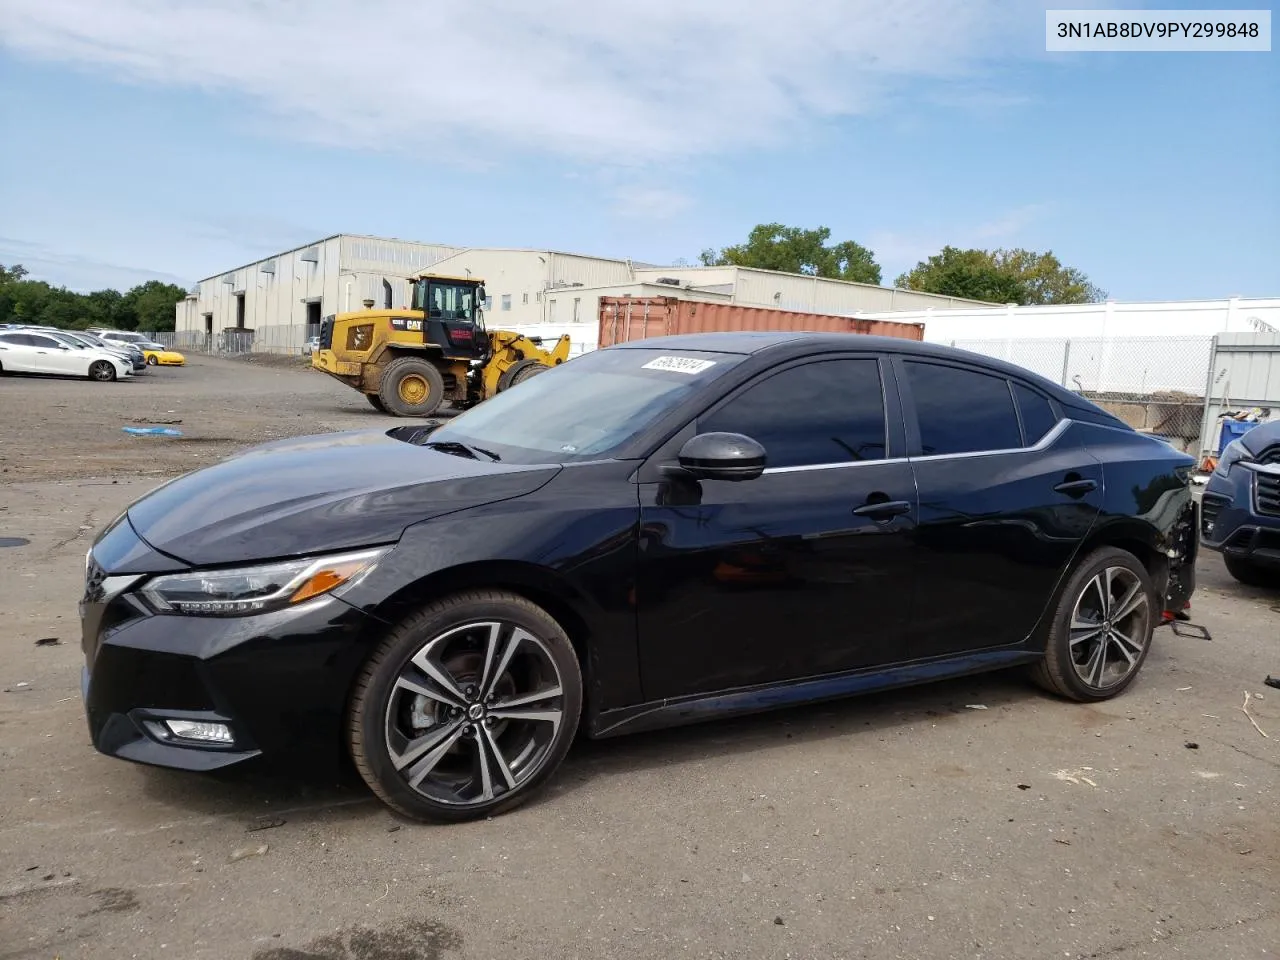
x=453 y=316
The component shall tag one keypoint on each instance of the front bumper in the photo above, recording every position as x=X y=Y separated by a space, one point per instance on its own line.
x=279 y=681
x=1232 y=521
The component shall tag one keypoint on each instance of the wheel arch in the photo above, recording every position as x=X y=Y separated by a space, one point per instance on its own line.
x=537 y=584
x=1136 y=537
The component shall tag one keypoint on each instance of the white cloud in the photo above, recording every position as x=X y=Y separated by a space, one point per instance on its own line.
x=899 y=252
x=649 y=203
x=79 y=272
x=593 y=80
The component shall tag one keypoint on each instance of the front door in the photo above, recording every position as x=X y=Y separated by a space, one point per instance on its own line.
x=1008 y=493
x=803 y=571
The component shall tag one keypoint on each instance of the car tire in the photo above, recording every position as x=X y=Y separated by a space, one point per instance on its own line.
x=519 y=372
x=411 y=387
x=102 y=370
x=1096 y=646
x=1249 y=573
x=375 y=401
x=426 y=723
x=152 y=361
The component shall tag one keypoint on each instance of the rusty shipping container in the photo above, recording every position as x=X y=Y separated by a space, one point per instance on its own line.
x=623 y=319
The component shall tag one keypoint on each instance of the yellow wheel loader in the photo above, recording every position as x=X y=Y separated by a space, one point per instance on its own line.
x=409 y=362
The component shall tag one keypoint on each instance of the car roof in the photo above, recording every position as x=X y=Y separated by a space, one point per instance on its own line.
x=785 y=344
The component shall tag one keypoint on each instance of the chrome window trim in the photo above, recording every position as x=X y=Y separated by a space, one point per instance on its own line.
x=1043 y=443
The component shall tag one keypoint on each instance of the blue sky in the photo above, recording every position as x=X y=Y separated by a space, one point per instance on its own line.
x=152 y=138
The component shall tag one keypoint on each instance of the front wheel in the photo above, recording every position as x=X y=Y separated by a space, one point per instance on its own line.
x=152 y=361
x=467 y=707
x=1101 y=629
x=102 y=370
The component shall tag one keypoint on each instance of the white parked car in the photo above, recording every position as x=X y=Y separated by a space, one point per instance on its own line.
x=32 y=352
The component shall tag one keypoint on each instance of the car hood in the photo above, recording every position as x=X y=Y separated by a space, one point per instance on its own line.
x=316 y=494
x=1261 y=437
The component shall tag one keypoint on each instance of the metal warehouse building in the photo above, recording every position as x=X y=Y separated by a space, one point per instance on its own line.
x=282 y=298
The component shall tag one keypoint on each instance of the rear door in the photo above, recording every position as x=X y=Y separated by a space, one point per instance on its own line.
x=1008 y=493
x=16 y=355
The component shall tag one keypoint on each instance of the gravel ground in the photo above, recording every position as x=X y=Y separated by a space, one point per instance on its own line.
x=895 y=826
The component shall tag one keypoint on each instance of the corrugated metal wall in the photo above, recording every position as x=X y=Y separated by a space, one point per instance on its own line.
x=1244 y=372
x=624 y=319
x=391 y=257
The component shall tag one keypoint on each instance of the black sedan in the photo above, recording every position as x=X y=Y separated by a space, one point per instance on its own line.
x=655 y=533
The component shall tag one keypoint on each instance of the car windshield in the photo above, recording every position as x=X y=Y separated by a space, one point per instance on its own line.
x=69 y=341
x=585 y=409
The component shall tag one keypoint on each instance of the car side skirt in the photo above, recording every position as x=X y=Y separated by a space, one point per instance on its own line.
x=660 y=714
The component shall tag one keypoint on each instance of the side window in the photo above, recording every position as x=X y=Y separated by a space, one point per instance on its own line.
x=44 y=343
x=962 y=411
x=1037 y=414
x=830 y=411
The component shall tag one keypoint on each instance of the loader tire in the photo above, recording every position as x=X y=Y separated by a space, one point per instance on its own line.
x=520 y=372
x=411 y=387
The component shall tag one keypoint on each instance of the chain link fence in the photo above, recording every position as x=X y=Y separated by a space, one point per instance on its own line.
x=1155 y=384
x=285 y=340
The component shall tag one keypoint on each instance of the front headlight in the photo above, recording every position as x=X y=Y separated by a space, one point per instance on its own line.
x=260 y=589
x=1235 y=452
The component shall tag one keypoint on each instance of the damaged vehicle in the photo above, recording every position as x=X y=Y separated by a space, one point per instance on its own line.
x=1240 y=510
x=655 y=533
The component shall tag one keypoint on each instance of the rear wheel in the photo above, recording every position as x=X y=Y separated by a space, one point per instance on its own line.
x=1250 y=573
x=467 y=707
x=1101 y=628
x=375 y=401
x=411 y=387
x=519 y=372
x=102 y=370
x=152 y=360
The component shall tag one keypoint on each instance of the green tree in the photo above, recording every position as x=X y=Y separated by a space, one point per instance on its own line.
x=151 y=305
x=1001 y=276
x=773 y=246
x=148 y=306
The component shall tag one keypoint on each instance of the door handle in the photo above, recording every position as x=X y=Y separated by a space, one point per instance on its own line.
x=883 y=510
x=1072 y=487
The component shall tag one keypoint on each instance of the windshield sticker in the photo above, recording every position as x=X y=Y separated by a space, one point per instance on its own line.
x=679 y=364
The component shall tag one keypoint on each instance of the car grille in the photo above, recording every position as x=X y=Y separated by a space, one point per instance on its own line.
x=1268 y=494
x=1270 y=455
x=1210 y=507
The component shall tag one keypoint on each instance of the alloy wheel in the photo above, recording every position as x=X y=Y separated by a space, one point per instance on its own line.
x=1110 y=627
x=474 y=713
x=102 y=370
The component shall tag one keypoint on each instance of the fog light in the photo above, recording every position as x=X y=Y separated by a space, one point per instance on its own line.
x=197 y=730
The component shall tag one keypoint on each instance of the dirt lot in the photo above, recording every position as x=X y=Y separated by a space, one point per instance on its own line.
x=895 y=826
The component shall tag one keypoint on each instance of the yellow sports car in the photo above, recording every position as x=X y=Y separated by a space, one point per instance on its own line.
x=158 y=354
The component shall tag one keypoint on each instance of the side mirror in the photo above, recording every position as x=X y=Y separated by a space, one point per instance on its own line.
x=722 y=456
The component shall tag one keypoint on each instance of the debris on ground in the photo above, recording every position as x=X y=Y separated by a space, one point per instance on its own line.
x=1247 y=697
x=152 y=431
x=778 y=921
x=975 y=706
x=1075 y=776
x=244 y=853
x=1191 y=745
x=145 y=420
x=48 y=642
x=1272 y=681
x=1183 y=689
x=265 y=823
x=1024 y=786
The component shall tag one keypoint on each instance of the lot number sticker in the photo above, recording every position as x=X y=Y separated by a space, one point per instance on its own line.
x=679 y=364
